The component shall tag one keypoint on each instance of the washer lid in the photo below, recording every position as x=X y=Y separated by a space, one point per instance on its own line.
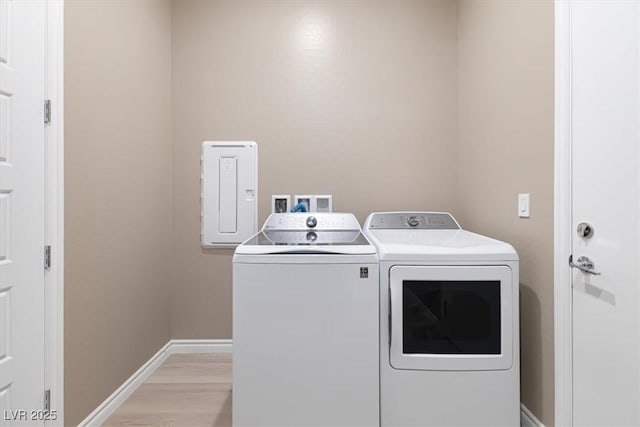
x=429 y=244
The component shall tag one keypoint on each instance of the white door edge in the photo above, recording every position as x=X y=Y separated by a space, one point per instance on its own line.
x=562 y=217
x=54 y=205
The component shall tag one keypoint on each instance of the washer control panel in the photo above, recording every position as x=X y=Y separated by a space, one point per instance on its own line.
x=311 y=221
x=414 y=220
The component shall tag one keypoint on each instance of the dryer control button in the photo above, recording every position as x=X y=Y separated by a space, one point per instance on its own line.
x=413 y=221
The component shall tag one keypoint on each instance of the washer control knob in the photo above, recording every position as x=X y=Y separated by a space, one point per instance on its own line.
x=413 y=221
x=312 y=236
x=312 y=221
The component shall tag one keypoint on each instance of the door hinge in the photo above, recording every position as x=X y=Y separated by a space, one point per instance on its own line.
x=47 y=400
x=47 y=257
x=47 y=111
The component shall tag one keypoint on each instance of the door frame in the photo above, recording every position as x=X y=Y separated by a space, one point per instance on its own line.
x=562 y=216
x=54 y=207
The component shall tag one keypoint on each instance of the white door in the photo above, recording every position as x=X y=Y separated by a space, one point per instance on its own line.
x=605 y=97
x=21 y=210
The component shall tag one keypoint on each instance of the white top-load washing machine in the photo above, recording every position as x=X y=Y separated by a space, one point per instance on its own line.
x=305 y=324
x=449 y=341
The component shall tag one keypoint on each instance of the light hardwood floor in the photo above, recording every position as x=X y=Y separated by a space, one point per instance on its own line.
x=187 y=390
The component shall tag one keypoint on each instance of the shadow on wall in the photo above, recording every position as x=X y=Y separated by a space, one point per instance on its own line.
x=531 y=348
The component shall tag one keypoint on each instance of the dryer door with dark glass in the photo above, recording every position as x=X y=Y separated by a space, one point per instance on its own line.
x=451 y=317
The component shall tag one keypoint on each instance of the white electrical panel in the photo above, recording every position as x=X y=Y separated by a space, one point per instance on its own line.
x=229 y=192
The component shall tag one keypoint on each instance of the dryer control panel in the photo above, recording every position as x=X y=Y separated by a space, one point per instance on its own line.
x=414 y=220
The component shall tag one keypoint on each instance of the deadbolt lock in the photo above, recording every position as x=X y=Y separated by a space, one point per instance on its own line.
x=585 y=230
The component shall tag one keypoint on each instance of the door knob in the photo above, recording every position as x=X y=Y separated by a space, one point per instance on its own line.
x=585 y=230
x=583 y=264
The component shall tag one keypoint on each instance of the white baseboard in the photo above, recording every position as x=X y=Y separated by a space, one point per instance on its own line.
x=199 y=346
x=118 y=397
x=527 y=419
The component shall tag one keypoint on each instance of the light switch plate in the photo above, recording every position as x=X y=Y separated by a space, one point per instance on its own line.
x=524 y=205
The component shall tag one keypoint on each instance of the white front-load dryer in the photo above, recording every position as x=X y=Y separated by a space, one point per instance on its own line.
x=449 y=328
x=305 y=324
